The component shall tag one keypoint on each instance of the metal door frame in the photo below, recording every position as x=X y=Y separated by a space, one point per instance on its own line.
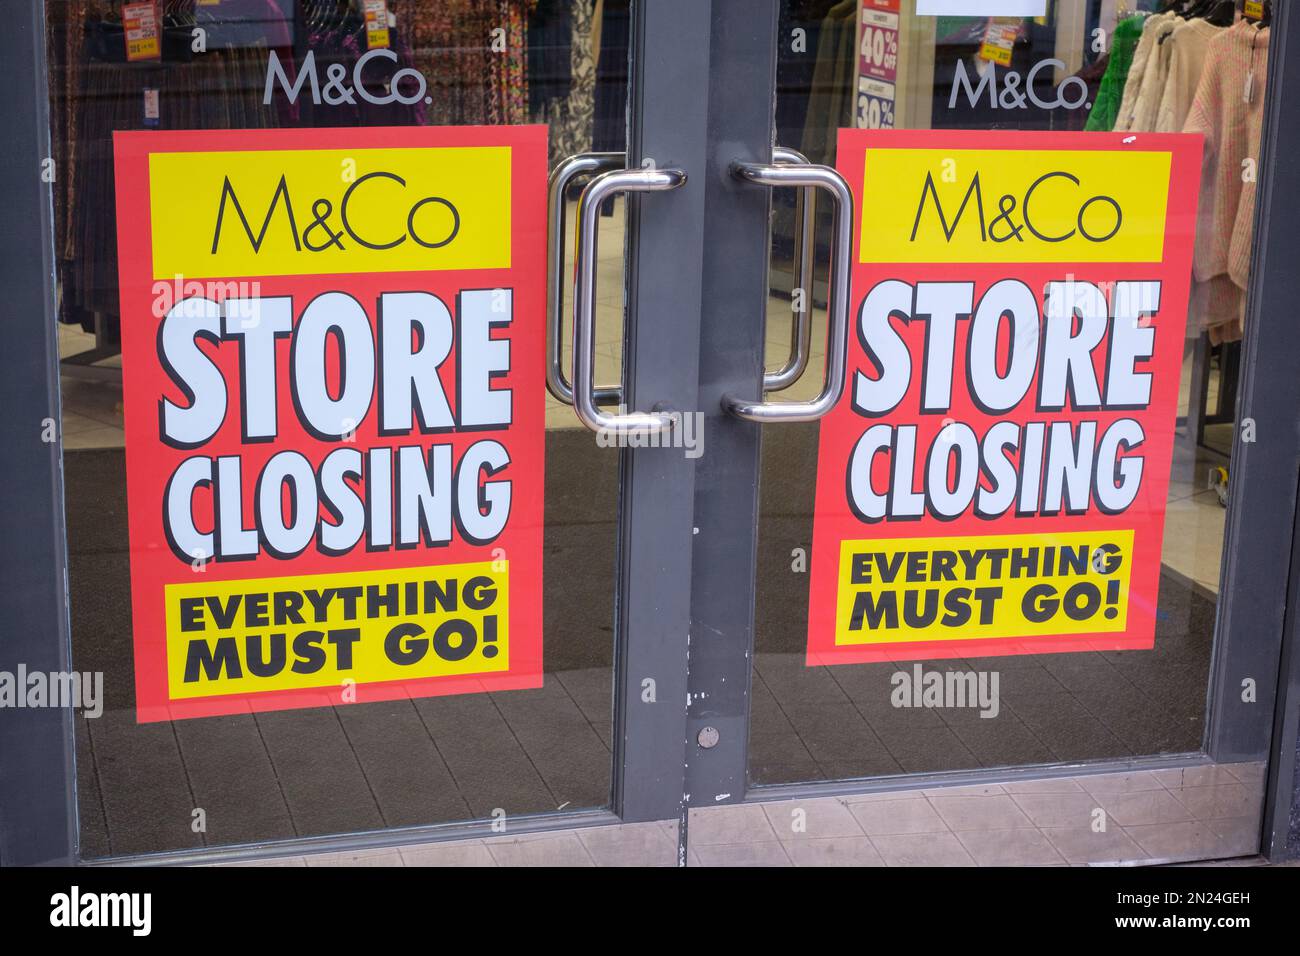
x=696 y=300
x=667 y=122
x=1254 y=622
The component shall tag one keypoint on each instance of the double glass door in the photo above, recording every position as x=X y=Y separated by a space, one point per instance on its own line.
x=656 y=356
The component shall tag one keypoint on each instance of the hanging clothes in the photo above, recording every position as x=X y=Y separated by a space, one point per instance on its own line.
x=1154 y=77
x=1152 y=28
x=609 y=133
x=550 y=61
x=830 y=104
x=1093 y=76
x=473 y=54
x=1228 y=110
x=1106 y=104
x=570 y=117
x=1188 y=46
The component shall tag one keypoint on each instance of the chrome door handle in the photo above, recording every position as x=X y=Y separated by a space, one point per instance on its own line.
x=584 y=164
x=820 y=177
x=592 y=164
x=801 y=303
x=584 y=331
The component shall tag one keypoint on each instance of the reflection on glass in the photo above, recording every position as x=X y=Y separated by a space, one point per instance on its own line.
x=255 y=64
x=1085 y=65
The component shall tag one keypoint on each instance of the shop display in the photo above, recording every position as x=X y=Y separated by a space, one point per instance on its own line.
x=493 y=62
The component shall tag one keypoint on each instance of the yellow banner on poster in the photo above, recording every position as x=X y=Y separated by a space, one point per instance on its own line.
x=329 y=211
x=1014 y=205
x=268 y=634
x=990 y=586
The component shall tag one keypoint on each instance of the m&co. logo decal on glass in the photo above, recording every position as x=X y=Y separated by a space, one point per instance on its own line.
x=931 y=205
x=329 y=211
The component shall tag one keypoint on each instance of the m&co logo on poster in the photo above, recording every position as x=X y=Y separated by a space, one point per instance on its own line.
x=994 y=479
x=334 y=442
x=973 y=205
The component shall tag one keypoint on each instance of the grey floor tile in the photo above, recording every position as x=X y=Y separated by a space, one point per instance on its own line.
x=1250 y=773
x=549 y=849
x=1071 y=809
x=385 y=857
x=811 y=819
x=922 y=849
x=736 y=823
x=1202 y=775
x=1219 y=802
x=781 y=758
x=879 y=796
x=1001 y=741
x=932 y=750
x=1082 y=844
x=836 y=733
x=146 y=796
x=592 y=689
x=456 y=853
x=1174 y=842
x=965 y=790
x=323 y=783
x=274 y=861
x=1025 y=847
x=889 y=817
x=632 y=844
x=1240 y=835
x=742 y=854
x=1119 y=782
x=839 y=851
x=1138 y=807
x=489 y=765
x=93 y=827
x=991 y=812
x=406 y=773
x=1064 y=725
x=559 y=742
x=234 y=780
x=1045 y=785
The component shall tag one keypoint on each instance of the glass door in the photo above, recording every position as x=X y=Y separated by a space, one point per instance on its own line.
x=1011 y=541
x=337 y=561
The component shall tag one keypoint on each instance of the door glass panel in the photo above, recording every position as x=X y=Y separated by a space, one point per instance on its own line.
x=1084 y=65
x=331 y=766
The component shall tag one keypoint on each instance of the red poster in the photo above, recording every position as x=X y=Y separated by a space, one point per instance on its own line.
x=994 y=478
x=333 y=359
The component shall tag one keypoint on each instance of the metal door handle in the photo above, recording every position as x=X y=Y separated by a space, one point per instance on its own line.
x=584 y=331
x=820 y=177
x=584 y=164
x=800 y=303
x=592 y=164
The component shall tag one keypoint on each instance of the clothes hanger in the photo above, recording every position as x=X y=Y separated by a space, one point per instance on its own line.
x=1222 y=14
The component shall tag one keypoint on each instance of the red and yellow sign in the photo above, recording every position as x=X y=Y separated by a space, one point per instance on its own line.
x=994 y=479
x=333 y=360
x=141 y=30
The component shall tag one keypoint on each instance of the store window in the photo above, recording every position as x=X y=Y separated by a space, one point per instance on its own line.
x=153 y=780
x=1078 y=66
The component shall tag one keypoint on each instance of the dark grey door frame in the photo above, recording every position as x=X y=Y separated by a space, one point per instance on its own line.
x=1265 y=478
x=37 y=779
x=668 y=122
x=1262 y=556
x=703 y=72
